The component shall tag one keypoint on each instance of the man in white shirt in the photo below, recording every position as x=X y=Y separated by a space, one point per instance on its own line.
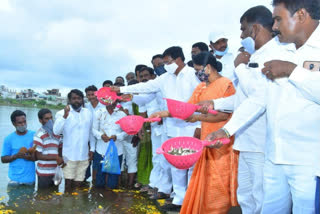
x=177 y=83
x=293 y=111
x=93 y=105
x=220 y=48
x=75 y=123
x=256 y=27
x=105 y=128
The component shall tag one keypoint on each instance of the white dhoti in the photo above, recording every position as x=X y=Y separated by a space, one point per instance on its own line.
x=250 y=182
x=288 y=189
x=165 y=181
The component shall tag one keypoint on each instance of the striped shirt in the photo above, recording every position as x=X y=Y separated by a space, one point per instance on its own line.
x=47 y=146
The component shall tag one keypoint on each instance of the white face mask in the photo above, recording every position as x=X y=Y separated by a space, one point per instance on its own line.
x=171 y=68
x=249 y=45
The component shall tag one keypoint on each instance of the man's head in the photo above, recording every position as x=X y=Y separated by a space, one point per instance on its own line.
x=173 y=58
x=107 y=83
x=137 y=70
x=130 y=76
x=44 y=116
x=119 y=79
x=256 y=23
x=90 y=90
x=146 y=74
x=75 y=98
x=293 y=17
x=218 y=43
x=18 y=119
x=198 y=48
x=158 y=65
x=133 y=82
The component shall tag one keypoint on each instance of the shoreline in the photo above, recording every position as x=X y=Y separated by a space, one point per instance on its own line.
x=28 y=103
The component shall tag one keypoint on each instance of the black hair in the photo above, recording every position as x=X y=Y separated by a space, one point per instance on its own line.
x=156 y=56
x=15 y=114
x=138 y=68
x=311 y=6
x=174 y=52
x=132 y=82
x=42 y=112
x=119 y=84
x=151 y=71
x=258 y=15
x=205 y=58
x=107 y=82
x=201 y=45
x=120 y=78
x=91 y=88
x=131 y=74
x=77 y=92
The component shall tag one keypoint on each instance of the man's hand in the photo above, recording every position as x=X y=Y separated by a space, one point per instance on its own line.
x=277 y=69
x=160 y=114
x=115 y=89
x=205 y=106
x=105 y=138
x=59 y=160
x=29 y=157
x=216 y=135
x=197 y=133
x=114 y=137
x=192 y=119
x=135 y=140
x=126 y=97
x=66 y=111
x=242 y=58
x=90 y=156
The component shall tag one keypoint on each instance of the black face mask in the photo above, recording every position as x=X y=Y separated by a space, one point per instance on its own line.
x=160 y=70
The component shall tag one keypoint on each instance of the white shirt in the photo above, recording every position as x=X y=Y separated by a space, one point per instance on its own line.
x=104 y=122
x=179 y=87
x=93 y=111
x=227 y=62
x=251 y=137
x=293 y=110
x=76 y=131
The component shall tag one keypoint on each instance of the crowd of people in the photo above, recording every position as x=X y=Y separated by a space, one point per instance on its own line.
x=268 y=104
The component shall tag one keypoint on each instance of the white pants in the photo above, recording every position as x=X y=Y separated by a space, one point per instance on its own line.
x=156 y=169
x=165 y=181
x=130 y=154
x=250 y=182
x=288 y=188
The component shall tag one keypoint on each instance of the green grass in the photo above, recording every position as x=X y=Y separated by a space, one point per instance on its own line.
x=29 y=103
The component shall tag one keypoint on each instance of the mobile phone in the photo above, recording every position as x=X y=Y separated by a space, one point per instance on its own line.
x=253 y=65
x=312 y=65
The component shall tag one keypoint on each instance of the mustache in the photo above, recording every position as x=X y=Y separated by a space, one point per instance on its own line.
x=144 y=80
x=275 y=33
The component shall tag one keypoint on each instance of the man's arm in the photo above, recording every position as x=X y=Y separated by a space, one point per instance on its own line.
x=307 y=83
x=225 y=103
x=96 y=125
x=60 y=121
x=145 y=87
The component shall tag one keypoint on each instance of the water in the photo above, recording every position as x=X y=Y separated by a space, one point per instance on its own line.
x=83 y=200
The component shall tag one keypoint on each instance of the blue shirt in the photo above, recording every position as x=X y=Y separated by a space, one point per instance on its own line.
x=20 y=170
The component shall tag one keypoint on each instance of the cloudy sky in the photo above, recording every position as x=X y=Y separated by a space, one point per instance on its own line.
x=75 y=43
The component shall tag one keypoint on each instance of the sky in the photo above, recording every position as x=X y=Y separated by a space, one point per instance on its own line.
x=69 y=44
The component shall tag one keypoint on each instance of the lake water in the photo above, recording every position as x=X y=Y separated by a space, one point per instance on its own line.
x=84 y=200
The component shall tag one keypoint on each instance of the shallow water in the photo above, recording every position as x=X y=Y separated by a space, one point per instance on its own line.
x=25 y=199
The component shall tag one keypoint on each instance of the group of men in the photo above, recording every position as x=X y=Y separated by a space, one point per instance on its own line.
x=276 y=117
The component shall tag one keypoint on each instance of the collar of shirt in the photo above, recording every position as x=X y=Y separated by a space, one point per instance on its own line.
x=314 y=39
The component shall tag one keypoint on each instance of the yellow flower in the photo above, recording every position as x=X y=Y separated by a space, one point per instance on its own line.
x=100 y=207
x=75 y=193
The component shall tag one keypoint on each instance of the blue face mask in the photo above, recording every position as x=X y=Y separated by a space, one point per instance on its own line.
x=249 y=45
x=48 y=127
x=221 y=53
x=160 y=70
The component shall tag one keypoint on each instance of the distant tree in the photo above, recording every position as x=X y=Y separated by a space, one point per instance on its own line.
x=42 y=102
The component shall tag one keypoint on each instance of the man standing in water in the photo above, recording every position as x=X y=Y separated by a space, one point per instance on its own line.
x=75 y=123
x=15 y=151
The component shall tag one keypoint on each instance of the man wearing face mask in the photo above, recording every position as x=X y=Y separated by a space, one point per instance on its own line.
x=157 y=62
x=48 y=150
x=256 y=27
x=75 y=123
x=14 y=152
x=177 y=83
x=220 y=49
